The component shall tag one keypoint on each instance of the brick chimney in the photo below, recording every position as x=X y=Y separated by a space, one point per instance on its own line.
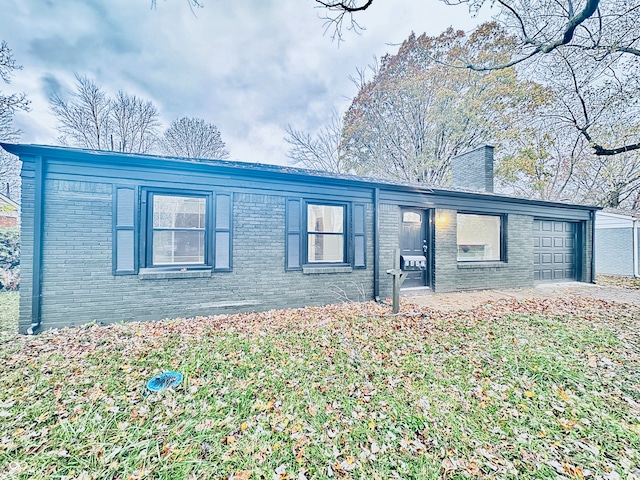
x=473 y=170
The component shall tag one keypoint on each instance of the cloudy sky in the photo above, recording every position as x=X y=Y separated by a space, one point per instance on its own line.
x=249 y=66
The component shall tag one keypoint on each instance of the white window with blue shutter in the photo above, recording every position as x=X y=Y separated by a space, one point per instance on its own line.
x=323 y=233
x=179 y=230
x=223 y=216
x=293 y=236
x=359 y=236
x=125 y=261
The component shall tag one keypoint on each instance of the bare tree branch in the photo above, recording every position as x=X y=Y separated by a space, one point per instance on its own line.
x=194 y=138
x=91 y=119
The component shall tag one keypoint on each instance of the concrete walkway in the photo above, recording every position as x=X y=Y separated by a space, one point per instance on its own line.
x=469 y=300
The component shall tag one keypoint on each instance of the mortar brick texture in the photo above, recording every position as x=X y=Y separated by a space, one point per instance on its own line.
x=473 y=170
x=26 y=252
x=78 y=285
x=389 y=221
x=451 y=275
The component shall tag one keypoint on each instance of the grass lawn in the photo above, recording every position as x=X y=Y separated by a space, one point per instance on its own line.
x=514 y=389
x=8 y=315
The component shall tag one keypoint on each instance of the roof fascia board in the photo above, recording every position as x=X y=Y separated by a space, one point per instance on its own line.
x=252 y=170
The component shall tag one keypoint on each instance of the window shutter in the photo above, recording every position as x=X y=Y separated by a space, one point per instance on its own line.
x=125 y=261
x=223 y=222
x=293 y=237
x=359 y=243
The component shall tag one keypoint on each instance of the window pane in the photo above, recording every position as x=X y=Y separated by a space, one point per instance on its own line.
x=326 y=248
x=178 y=247
x=325 y=218
x=478 y=237
x=411 y=217
x=179 y=212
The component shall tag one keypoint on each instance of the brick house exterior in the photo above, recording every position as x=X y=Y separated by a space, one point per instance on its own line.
x=113 y=237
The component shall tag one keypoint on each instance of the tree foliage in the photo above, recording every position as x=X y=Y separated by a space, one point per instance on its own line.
x=194 y=138
x=416 y=114
x=9 y=258
x=92 y=119
x=591 y=47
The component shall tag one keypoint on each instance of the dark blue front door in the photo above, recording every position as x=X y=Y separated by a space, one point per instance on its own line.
x=414 y=241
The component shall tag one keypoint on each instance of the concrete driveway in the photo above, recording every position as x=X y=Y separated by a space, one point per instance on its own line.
x=469 y=300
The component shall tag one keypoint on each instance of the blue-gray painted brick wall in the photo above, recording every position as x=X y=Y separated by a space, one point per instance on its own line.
x=78 y=285
x=26 y=252
x=473 y=170
x=451 y=275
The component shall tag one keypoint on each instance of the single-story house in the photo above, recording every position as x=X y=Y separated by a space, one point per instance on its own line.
x=110 y=236
x=617 y=243
x=9 y=211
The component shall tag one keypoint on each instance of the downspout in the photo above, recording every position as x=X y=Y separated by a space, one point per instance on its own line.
x=376 y=245
x=593 y=246
x=634 y=230
x=38 y=223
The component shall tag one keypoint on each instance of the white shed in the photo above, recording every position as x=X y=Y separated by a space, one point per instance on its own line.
x=617 y=243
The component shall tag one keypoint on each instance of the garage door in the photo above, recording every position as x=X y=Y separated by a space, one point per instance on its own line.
x=554 y=251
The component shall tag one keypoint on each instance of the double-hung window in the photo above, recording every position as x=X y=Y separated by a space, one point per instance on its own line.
x=326 y=233
x=171 y=230
x=178 y=234
x=480 y=237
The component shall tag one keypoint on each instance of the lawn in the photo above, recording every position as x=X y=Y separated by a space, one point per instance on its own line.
x=514 y=389
x=8 y=315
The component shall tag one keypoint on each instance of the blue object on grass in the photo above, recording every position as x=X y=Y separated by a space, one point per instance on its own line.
x=164 y=380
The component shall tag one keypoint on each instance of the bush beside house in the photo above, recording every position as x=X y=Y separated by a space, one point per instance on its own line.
x=9 y=258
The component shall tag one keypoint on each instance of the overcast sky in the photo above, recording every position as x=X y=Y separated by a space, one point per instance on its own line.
x=249 y=66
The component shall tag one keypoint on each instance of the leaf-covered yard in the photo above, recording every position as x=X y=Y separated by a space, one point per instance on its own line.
x=517 y=388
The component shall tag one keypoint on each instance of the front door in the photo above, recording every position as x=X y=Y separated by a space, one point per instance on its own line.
x=414 y=241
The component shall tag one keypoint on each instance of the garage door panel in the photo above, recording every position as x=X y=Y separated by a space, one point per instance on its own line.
x=554 y=251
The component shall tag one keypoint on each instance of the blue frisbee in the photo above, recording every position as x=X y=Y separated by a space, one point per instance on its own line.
x=164 y=380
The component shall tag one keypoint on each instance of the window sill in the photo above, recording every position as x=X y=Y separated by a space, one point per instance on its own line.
x=463 y=265
x=153 y=274
x=322 y=269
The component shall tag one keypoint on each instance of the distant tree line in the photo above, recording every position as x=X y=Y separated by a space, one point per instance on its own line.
x=89 y=118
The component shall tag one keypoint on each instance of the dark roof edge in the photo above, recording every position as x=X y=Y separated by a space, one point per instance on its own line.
x=247 y=168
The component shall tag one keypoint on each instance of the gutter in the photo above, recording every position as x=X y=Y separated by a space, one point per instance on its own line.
x=592 y=214
x=634 y=231
x=376 y=244
x=38 y=224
